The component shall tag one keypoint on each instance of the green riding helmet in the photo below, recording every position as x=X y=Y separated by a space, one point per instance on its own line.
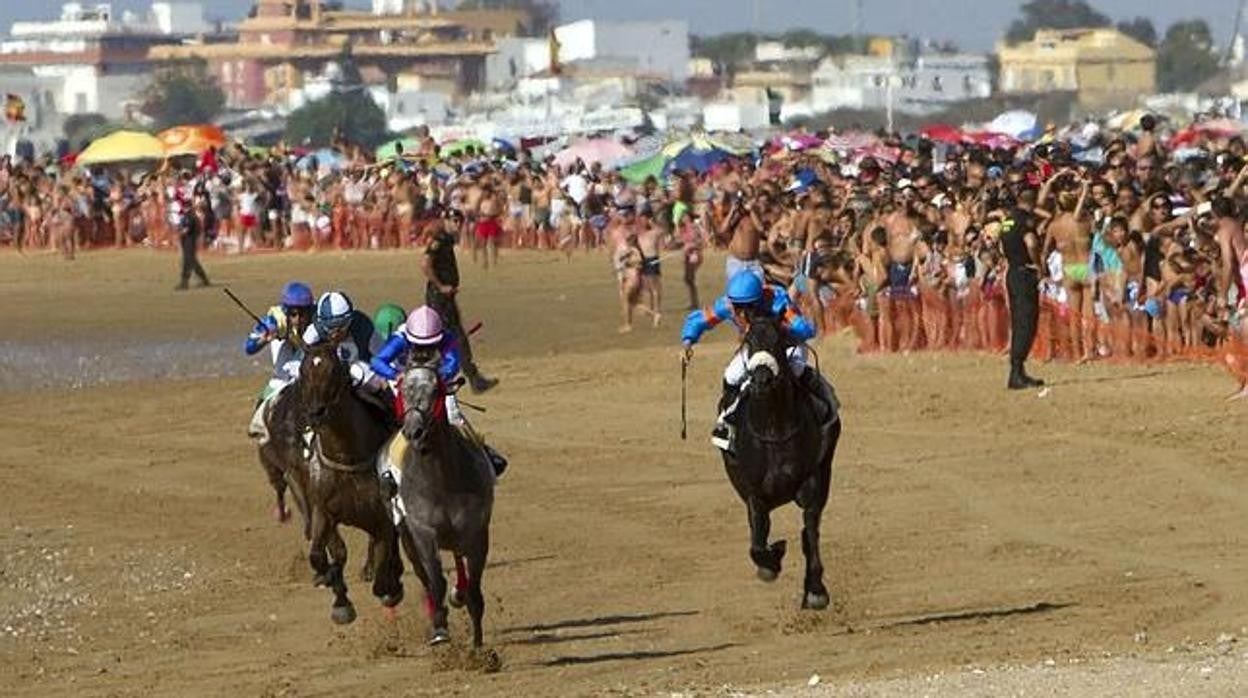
x=388 y=318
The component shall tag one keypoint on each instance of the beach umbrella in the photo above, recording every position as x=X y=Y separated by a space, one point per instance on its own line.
x=388 y=151
x=326 y=159
x=458 y=147
x=600 y=150
x=641 y=170
x=1215 y=129
x=191 y=139
x=796 y=141
x=943 y=133
x=1126 y=121
x=1012 y=123
x=122 y=146
x=851 y=140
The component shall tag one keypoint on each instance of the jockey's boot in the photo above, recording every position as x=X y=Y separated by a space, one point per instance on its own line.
x=496 y=459
x=389 y=488
x=724 y=433
x=480 y=383
x=476 y=381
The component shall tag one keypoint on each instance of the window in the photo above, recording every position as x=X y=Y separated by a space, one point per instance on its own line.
x=80 y=102
x=936 y=85
x=968 y=85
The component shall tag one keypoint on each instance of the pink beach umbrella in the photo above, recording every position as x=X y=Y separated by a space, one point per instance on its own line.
x=601 y=150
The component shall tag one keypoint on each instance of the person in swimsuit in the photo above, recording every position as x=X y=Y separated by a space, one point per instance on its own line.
x=1070 y=233
x=1233 y=284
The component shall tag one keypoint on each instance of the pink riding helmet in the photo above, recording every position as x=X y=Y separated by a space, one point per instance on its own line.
x=423 y=327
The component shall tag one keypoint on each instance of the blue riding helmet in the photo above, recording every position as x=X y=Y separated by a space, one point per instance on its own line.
x=745 y=288
x=296 y=295
x=333 y=311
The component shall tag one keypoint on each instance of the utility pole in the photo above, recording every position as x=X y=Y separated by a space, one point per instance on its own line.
x=1239 y=18
x=856 y=21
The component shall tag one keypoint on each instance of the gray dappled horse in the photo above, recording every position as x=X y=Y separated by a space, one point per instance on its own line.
x=447 y=495
x=342 y=488
x=785 y=440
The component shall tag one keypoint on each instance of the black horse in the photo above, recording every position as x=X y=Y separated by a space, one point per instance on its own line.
x=342 y=488
x=447 y=493
x=786 y=433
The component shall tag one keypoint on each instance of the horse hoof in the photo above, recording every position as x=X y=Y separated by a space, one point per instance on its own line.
x=815 y=601
x=343 y=615
x=281 y=514
x=392 y=600
x=441 y=636
x=320 y=580
x=456 y=599
x=767 y=575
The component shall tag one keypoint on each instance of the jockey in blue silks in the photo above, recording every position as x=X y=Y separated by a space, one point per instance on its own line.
x=747 y=293
x=279 y=330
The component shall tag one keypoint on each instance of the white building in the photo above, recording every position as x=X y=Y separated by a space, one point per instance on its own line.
x=777 y=52
x=515 y=59
x=650 y=48
x=91 y=59
x=928 y=84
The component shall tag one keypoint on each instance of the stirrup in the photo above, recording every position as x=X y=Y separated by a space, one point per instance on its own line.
x=722 y=437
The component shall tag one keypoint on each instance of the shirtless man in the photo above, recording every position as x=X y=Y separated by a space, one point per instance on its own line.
x=1233 y=274
x=746 y=228
x=488 y=227
x=1070 y=232
x=903 y=234
x=648 y=236
x=472 y=194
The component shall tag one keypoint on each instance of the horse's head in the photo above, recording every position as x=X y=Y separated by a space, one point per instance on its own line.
x=323 y=380
x=767 y=353
x=421 y=391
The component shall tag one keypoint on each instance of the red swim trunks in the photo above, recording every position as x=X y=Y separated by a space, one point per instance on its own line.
x=248 y=220
x=488 y=229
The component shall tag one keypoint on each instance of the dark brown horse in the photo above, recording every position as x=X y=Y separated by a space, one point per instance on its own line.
x=447 y=491
x=282 y=456
x=347 y=433
x=787 y=430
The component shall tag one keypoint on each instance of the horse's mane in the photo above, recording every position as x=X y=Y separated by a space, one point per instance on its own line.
x=766 y=334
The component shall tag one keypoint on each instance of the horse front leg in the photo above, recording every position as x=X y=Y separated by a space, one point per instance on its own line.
x=343 y=611
x=476 y=599
x=815 y=594
x=425 y=543
x=766 y=557
x=384 y=549
x=812 y=498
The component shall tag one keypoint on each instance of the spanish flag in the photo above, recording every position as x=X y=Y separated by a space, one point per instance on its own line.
x=14 y=108
x=556 y=66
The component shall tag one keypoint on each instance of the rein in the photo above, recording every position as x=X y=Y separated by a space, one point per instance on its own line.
x=343 y=467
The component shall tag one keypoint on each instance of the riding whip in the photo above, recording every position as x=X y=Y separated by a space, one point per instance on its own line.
x=684 y=373
x=240 y=304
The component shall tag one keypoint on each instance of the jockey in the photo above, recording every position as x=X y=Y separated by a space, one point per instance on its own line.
x=747 y=294
x=279 y=329
x=423 y=330
x=352 y=333
x=388 y=318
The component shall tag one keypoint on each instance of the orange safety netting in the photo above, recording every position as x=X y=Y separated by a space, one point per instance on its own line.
x=980 y=321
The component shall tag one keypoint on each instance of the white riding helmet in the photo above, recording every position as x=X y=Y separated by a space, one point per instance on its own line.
x=333 y=311
x=423 y=327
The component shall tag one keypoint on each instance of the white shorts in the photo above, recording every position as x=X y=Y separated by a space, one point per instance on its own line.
x=736 y=371
x=733 y=265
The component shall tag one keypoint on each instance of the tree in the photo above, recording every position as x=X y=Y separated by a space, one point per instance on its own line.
x=183 y=95
x=725 y=50
x=347 y=112
x=1141 y=29
x=1054 y=14
x=543 y=14
x=1186 y=56
x=82 y=128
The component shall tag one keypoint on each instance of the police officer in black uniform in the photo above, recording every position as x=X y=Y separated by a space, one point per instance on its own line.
x=194 y=218
x=441 y=290
x=1022 y=281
